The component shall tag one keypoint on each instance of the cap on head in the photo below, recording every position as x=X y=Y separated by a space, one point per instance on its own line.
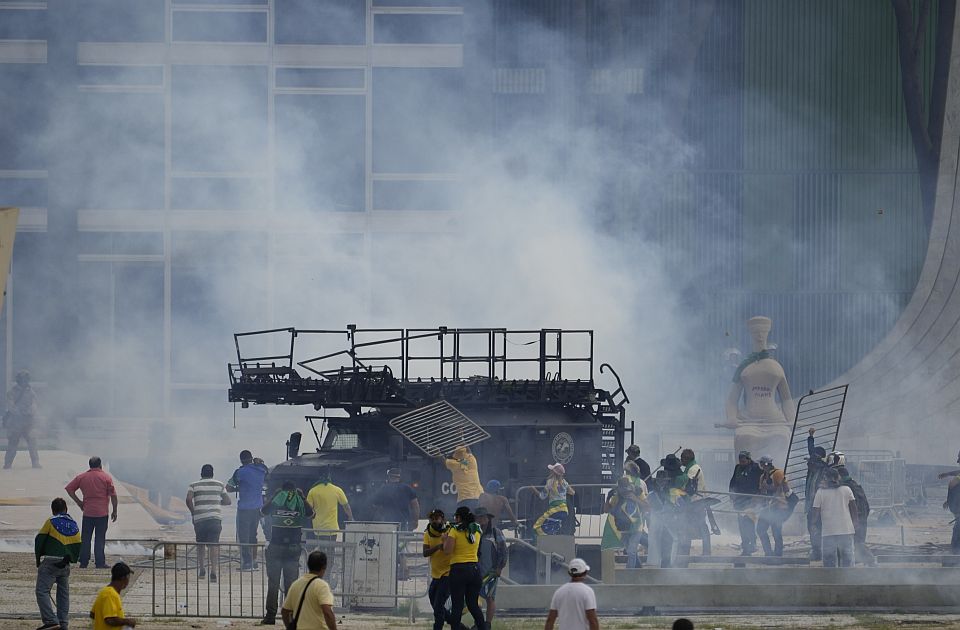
x=493 y=486
x=206 y=471
x=246 y=456
x=744 y=454
x=557 y=469
x=577 y=566
x=119 y=571
x=766 y=460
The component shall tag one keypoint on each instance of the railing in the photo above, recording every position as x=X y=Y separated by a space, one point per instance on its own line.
x=586 y=517
x=445 y=353
x=180 y=590
x=373 y=567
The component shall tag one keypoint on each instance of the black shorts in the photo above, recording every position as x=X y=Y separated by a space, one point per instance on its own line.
x=208 y=531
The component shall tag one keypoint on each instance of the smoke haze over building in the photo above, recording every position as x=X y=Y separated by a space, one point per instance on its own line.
x=657 y=172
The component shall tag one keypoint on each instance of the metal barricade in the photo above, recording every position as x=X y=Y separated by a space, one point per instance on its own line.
x=884 y=482
x=373 y=567
x=585 y=507
x=181 y=589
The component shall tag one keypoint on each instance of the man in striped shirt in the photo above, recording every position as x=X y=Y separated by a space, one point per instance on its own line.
x=204 y=498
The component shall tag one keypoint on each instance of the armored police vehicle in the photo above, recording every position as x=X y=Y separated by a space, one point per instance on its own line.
x=404 y=398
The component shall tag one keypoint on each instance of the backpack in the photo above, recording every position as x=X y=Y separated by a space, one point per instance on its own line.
x=863 y=506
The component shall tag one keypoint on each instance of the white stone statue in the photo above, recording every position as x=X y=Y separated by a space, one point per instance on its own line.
x=762 y=424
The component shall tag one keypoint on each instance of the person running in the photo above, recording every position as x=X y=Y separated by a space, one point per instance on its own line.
x=107 y=612
x=439 y=590
x=462 y=543
x=56 y=546
x=574 y=605
x=555 y=491
x=204 y=498
x=99 y=493
x=309 y=601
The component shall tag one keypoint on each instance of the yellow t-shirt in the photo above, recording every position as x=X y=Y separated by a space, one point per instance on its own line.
x=324 y=499
x=319 y=594
x=467 y=477
x=463 y=551
x=107 y=604
x=439 y=560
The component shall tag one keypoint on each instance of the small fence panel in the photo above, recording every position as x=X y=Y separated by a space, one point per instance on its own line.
x=821 y=411
x=439 y=428
x=369 y=566
x=191 y=580
x=884 y=482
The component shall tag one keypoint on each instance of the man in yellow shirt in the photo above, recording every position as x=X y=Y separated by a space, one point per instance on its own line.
x=107 y=612
x=324 y=498
x=466 y=476
x=309 y=599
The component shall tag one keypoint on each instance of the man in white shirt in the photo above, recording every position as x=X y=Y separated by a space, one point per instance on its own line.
x=835 y=508
x=574 y=604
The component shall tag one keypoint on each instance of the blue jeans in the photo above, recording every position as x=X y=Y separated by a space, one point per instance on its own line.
x=49 y=574
x=90 y=526
x=247 y=523
x=634 y=540
x=834 y=546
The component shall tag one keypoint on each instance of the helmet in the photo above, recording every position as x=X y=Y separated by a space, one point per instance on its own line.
x=836 y=458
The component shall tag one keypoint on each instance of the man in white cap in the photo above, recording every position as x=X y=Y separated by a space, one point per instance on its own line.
x=574 y=604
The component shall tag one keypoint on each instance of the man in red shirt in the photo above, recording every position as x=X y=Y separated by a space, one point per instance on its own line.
x=98 y=494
